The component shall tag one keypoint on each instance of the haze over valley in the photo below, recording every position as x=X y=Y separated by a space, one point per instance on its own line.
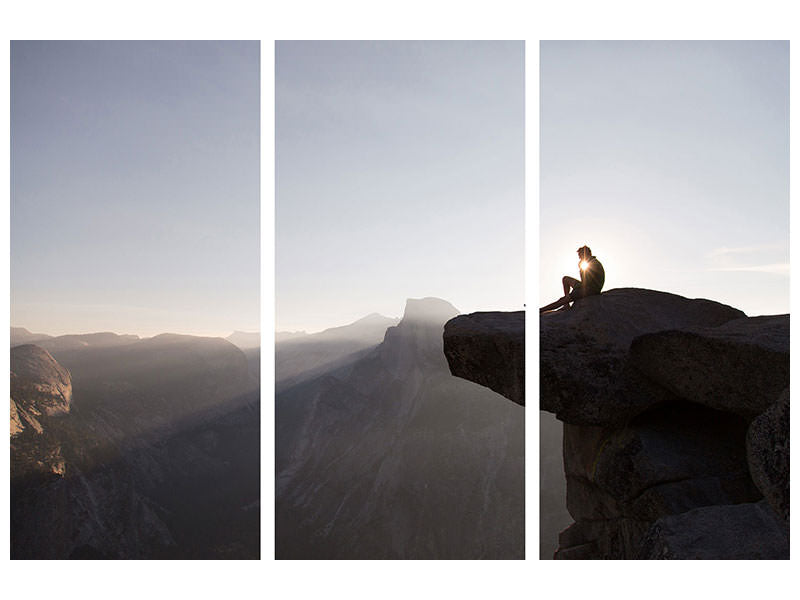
x=399 y=170
x=127 y=447
x=382 y=453
x=135 y=309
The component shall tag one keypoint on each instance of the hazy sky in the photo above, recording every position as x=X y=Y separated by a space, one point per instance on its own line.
x=671 y=160
x=135 y=186
x=400 y=173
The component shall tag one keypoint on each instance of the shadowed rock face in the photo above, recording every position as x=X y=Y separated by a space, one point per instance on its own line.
x=489 y=348
x=740 y=531
x=741 y=366
x=768 y=454
x=665 y=453
x=584 y=351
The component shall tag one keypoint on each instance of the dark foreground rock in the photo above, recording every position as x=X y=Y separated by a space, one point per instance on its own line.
x=768 y=454
x=676 y=426
x=584 y=351
x=741 y=531
x=741 y=366
x=488 y=348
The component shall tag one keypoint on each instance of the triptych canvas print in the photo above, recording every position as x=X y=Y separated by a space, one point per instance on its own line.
x=396 y=357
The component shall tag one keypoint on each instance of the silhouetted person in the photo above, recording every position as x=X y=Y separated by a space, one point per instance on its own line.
x=593 y=276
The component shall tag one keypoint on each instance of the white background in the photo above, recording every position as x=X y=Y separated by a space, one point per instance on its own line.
x=411 y=19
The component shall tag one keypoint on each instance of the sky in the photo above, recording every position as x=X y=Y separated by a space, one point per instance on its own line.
x=135 y=187
x=399 y=174
x=671 y=161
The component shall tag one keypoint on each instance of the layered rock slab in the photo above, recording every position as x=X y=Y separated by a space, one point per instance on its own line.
x=584 y=375
x=741 y=366
x=488 y=348
x=657 y=392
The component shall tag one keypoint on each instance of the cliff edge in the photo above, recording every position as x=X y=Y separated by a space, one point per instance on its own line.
x=488 y=348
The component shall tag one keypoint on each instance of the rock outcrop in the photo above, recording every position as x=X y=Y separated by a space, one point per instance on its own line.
x=488 y=348
x=584 y=351
x=768 y=454
x=675 y=419
x=739 y=531
x=39 y=385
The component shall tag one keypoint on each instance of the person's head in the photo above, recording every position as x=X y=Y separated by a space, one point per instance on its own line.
x=584 y=253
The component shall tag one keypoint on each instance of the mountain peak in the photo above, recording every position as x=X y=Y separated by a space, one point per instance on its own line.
x=429 y=309
x=245 y=339
x=373 y=318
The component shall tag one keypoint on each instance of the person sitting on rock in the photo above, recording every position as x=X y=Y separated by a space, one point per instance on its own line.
x=593 y=276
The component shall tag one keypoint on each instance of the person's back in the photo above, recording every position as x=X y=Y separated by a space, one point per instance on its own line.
x=593 y=277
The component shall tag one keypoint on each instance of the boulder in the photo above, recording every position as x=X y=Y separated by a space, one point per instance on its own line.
x=488 y=348
x=768 y=454
x=584 y=376
x=740 y=531
x=741 y=366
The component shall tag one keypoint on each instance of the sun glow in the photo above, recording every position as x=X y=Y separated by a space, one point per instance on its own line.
x=584 y=265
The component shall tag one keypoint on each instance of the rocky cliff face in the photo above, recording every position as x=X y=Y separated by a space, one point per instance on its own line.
x=675 y=417
x=39 y=385
x=40 y=389
x=390 y=456
x=489 y=349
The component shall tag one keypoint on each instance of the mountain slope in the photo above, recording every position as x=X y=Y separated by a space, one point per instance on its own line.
x=393 y=457
x=300 y=358
x=20 y=335
x=245 y=339
x=158 y=456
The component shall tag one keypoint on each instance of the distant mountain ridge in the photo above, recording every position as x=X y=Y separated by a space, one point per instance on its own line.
x=20 y=335
x=302 y=357
x=245 y=339
x=282 y=336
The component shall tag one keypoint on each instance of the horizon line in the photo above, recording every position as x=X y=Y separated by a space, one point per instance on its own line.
x=139 y=335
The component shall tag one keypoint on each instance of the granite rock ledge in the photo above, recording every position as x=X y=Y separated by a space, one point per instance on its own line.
x=675 y=417
x=488 y=348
